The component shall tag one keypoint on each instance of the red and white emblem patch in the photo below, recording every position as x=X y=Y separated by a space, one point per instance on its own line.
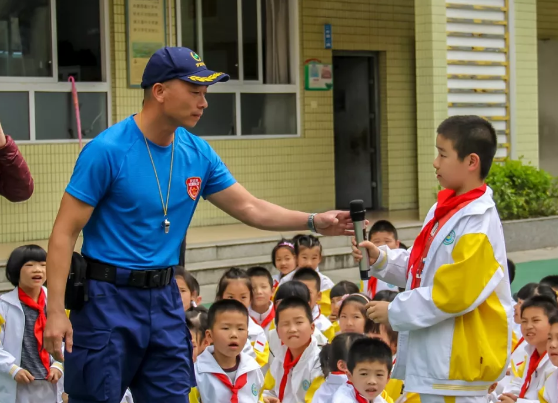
x=193 y=185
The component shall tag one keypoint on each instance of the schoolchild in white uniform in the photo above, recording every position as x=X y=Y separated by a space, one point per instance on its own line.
x=290 y=289
x=28 y=374
x=308 y=250
x=312 y=280
x=223 y=372
x=381 y=233
x=535 y=325
x=284 y=259
x=295 y=373
x=235 y=284
x=261 y=309
x=549 y=393
x=455 y=276
x=368 y=370
x=333 y=358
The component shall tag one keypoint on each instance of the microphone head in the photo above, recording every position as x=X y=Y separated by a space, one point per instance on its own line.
x=358 y=212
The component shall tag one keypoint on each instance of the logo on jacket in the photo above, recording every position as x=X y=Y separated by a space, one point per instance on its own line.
x=254 y=390
x=193 y=185
x=450 y=238
x=305 y=384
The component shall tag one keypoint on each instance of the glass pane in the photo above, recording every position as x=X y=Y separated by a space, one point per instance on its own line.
x=78 y=26
x=25 y=38
x=268 y=114
x=250 y=38
x=275 y=42
x=15 y=114
x=55 y=115
x=219 y=118
x=220 y=36
x=189 y=26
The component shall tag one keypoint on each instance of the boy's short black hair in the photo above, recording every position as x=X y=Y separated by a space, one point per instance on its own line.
x=292 y=288
x=308 y=274
x=325 y=359
x=293 y=302
x=551 y=281
x=369 y=350
x=385 y=295
x=343 y=287
x=20 y=256
x=532 y=289
x=224 y=305
x=259 y=271
x=340 y=346
x=511 y=270
x=471 y=135
x=191 y=282
x=306 y=241
x=197 y=320
x=553 y=319
x=383 y=226
x=548 y=305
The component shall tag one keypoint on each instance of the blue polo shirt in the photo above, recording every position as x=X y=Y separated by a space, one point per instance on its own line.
x=114 y=174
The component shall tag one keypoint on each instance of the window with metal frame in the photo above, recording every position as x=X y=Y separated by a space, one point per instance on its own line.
x=256 y=43
x=42 y=44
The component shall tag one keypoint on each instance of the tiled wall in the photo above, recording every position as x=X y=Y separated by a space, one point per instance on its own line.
x=527 y=119
x=547 y=19
x=295 y=173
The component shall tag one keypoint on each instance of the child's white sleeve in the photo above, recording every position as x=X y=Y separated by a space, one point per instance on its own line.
x=7 y=361
x=391 y=266
x=457 y=288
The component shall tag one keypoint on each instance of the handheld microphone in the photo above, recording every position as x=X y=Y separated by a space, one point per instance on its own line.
x=358 y=216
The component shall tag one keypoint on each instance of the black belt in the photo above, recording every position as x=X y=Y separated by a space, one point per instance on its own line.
x=138 y=278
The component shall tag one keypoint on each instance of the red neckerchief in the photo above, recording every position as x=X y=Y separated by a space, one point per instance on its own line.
x=517 y=345
x=534 y=362
x=338 y=373
x=39 y=324
x=239 y=383
x=372 y=286
x=358 y=396
x=267 y=319
x=288 y=364
x=448 y=204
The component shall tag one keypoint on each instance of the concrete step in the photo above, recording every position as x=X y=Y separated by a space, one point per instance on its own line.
x=5 y=286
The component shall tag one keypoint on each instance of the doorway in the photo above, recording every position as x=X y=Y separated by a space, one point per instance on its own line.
x=356 y=129
x=548 y=106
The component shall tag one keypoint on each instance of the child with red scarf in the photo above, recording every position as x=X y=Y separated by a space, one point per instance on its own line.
x=28 y=374
x=535 y=327
x=454 y=317
x=295 y=374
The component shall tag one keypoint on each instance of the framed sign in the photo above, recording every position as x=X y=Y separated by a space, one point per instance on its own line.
x=318 y=76
x=146 y=26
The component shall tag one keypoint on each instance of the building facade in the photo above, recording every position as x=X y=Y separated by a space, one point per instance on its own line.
x=399 y=68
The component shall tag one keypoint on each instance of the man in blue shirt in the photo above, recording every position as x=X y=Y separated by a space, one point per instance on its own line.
x=133 y=193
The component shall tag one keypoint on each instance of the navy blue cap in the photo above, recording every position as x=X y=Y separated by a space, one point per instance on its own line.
x=175 y=62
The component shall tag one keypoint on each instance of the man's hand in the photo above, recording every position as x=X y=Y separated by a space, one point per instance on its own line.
x=2 y=137
x=373 y=251
x=23 y=376
x=58 y=328
x=334 y=223
x=507 y=398
x=54 y=375
x=377 y=311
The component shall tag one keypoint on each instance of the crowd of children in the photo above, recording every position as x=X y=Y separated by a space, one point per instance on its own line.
x=267 y=340
x=442 y=325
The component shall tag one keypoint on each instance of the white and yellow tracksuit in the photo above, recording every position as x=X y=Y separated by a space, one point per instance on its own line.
x=549 y=393
x=257 y=345
x=323 y=324
x=305 y=378
x=455 y=329
x=346 y=394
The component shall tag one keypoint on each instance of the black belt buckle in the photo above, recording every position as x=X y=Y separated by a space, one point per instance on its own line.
x=149 y=278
